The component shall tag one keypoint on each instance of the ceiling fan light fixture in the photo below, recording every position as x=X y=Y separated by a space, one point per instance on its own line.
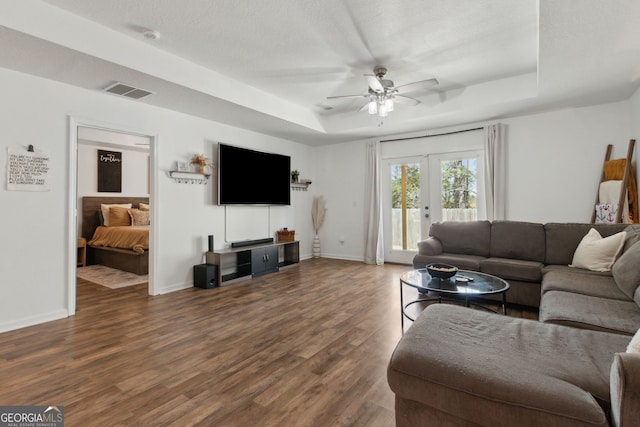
x=373 y=107
x=382 y=93
x=388 y=103
x=382 y=110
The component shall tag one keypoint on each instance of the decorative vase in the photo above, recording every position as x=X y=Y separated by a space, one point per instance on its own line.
x=202 y=169
x=316 y=247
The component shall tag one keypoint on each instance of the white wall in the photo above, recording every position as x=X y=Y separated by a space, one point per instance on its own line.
x=135 y=171
x=555 y=160
x=341 y=171
x=553 y=169
x=635 y=122
x=33 y=249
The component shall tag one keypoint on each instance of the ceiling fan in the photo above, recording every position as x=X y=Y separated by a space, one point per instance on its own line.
x=383 y=94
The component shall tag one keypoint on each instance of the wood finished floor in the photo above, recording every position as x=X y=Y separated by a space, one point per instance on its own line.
x=307 y=346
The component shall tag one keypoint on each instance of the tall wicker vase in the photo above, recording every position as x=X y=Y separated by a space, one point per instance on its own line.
x=318 y=211
x=315 y=250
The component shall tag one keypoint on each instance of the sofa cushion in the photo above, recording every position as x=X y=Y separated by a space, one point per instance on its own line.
x=516 y=269
x=626 y=270
x=467 y=238
x=548 y=268
x=598 y=253
x=581 y=282
x=633 y=236
x=625 y=389
x=430 y=246
x=463 y=262
x=502 y=370
x=517 y=240
x=562 y=239
x=589 y=312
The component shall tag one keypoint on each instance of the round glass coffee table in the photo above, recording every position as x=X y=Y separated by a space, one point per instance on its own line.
x=434 y=289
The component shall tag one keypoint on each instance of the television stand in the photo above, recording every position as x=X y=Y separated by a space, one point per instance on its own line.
x=253 y=261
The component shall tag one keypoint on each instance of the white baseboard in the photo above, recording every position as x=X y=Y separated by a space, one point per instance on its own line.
x=342 y=257
x=175 y=287
x=33 y=320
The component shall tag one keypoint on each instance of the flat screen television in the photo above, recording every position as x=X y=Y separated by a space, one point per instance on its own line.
x=250 y=177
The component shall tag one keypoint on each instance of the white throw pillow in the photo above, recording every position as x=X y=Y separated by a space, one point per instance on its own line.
x=634 y=345
x=596 y=253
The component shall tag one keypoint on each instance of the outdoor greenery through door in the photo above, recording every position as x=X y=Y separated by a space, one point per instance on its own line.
x=442 y=187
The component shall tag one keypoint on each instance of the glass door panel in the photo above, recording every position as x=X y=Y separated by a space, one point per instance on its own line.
x=456 y=179
x=403 y=213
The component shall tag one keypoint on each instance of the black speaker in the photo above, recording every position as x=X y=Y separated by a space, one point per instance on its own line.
x=210 y=242
x=205 y=276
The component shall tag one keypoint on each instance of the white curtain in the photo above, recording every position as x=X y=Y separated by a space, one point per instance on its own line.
x=495 y=171
x=374 y=245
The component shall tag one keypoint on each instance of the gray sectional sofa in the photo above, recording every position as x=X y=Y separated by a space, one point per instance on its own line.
x=457 y=366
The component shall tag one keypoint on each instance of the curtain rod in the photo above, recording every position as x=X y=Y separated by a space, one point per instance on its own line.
x=428 y=136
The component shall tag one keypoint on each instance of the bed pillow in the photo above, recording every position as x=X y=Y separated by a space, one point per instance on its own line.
x=596 y=253
x=105 y=211
x=119 y=216
x=143 y=206
x=139 y=217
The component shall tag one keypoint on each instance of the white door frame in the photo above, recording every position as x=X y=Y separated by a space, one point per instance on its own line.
x=72 y=219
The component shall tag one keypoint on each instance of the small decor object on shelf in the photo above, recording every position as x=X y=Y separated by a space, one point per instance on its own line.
x=286 y=235
x=182 y=167
x=318 y=211
x=301 y=184
x=295 y=174
x=201 y=163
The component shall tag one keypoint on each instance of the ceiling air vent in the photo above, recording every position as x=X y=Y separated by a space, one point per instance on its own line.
x=128 y=91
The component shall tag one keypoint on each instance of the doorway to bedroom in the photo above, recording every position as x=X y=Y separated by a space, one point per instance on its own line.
x=113 y=201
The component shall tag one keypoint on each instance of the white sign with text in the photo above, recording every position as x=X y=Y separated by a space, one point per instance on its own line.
x=27 y=171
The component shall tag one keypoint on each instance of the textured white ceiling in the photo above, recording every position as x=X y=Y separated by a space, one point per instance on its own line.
x=269 y=66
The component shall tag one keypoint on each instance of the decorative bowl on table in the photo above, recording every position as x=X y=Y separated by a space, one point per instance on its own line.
x=442 y=271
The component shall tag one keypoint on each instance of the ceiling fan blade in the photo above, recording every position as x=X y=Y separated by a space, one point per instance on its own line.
x=405 y=100
x=374 y=83
x=365 y=107
x=347 y=96
x=422 y=84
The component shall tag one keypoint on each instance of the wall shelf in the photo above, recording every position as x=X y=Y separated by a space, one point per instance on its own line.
x=300 y=186
x=183 y=177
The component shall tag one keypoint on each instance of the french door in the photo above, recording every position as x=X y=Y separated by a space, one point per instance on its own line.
x=419 y=190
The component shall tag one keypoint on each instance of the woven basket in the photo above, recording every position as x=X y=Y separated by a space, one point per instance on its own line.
x=286 y=235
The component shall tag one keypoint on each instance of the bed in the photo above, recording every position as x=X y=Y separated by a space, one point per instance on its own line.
x=123 y=247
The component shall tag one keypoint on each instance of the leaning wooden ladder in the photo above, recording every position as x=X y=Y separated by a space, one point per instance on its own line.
x=626 y=177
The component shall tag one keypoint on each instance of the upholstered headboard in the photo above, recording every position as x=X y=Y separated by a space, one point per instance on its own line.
x=91 y=206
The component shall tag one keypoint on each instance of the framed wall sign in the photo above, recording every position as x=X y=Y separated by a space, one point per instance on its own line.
x=109 y=171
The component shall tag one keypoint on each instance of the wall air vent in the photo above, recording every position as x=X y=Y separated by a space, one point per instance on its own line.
x=128 y=91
